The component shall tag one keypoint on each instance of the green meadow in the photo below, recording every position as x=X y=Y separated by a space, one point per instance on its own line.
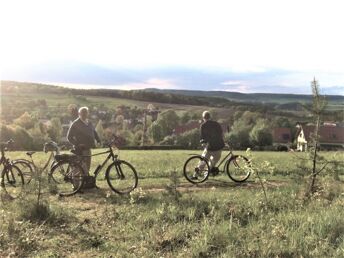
x=168 y=217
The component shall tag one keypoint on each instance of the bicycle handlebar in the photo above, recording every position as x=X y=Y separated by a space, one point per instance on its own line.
x=205 y=144
x=112 y=141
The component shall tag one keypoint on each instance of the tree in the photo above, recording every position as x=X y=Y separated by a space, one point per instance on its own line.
x=239 y=135
x=169 y=140
x=6 y=133
x=55 y=130
x=260 y=134
x=22 y=139
x=156 y=132
x=73 y=111
x=318 y=107
x=282 y=122
x=119 y=121
x=168 y=120
x=25 y=120
x=239 y=140
x=189 y=139
x=214 y=115
x=39 y=137
x=185 y=118
x=314 y=163
x=136 y=140
x=128 y=137
x=108 y=134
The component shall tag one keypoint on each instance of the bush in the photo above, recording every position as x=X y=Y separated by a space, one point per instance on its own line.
x=169 y=140
x=282 y=148
x=189 y=139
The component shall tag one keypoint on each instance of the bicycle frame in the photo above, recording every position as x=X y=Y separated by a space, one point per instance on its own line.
x=100 y=167
x=51 y=157
x=226 y=159
x=110 y=156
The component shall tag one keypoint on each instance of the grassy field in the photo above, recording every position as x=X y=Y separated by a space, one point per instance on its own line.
x=168 y=217
x=55 y=102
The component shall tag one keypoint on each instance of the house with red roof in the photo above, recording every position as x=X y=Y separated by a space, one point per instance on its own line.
x=282 y=136
x=331 y=136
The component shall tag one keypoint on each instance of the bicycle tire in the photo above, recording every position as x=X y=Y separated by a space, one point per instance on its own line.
x=240 y=170
x=64 y=181
x=119 y=181
x=10 y=186
x=190 y=169
x=26 y=167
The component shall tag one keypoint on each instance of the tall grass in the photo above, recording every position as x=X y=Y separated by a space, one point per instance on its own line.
x=222 y=221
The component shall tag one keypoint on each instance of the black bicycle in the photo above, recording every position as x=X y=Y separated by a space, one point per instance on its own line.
x=197 y=168
x=120 y=175
x=12 y=180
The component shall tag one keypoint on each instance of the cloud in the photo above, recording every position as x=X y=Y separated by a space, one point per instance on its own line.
x=150 y=83
x=232 y=83
x=236 y=86
x=75 y=74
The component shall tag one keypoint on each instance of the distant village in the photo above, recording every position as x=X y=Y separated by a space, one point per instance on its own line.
x=283 y=138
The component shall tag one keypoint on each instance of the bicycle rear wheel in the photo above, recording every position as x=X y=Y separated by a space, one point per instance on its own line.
x=12 y=181
x=238 y=169
x=26 y=167
x=196 y=169
x=121 y=177
x=66 y=178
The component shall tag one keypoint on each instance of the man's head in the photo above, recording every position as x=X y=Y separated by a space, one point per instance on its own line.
x=83 y=113
x=206 y=115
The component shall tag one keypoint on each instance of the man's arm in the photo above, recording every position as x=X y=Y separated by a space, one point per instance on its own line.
x=96 y=136
x=220 y=130
x=203 y=134
x=71 y=135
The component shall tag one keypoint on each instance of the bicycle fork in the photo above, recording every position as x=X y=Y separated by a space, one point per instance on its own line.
x=12 y=180
x=119 y=171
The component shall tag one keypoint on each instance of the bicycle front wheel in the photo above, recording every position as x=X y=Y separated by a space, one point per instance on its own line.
x=196 y=169
x=121 y=177
x=12 y=181
x=238 y=169
x=66 y=178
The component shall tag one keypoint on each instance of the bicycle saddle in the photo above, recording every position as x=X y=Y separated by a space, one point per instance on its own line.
x=30 y=153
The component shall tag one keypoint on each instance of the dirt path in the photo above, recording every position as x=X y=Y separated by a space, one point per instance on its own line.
x=94 y=198
x=214 y=184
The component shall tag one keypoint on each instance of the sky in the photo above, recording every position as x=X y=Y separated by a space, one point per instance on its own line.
x=246 y=46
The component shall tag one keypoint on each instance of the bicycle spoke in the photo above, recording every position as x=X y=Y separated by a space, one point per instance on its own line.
x=12 y=182
x=122 y=177
x=196 y=170
x=66 y=179
x=238 y=169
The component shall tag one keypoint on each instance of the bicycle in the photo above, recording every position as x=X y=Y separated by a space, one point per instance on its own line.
x=27 y=166
x=12 y=180
x=236 y=167
x=64 y=182
x=120 y=175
